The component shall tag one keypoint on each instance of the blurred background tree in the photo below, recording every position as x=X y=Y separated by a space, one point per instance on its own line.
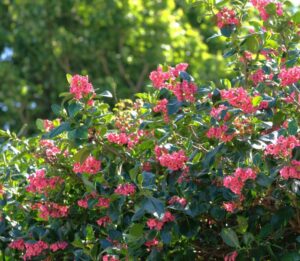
x=116 y=42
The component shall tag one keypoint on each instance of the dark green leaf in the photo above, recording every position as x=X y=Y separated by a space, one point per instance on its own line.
x=73 y=109
x=230 y=238
x=56 y=109
x=227 y=30
x=64 y=126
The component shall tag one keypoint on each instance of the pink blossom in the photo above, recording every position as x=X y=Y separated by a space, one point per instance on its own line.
x=80 y=86
x=292 y=171
x=48 y=125
x=146 y=166
x=178 y=68
x=50 y=149
x=283 y=146
x=125 y=189
x=215 y=112
x=263 y=105
x=247 y=56
x=151 y=243
x=40 y=184
x=219 y=133
x=34 y=249
x=289 y=76
x=234 y=184
x=103 y=202
x=120 y=139
x=109 y=258
x=268 y=53
x=226 y=17
x=259 y=76
x=176 y=199
x=18 y=244
x=102 y=222
x=153 y=223
x=161 y=106
x=236 y=181
x=159 y=77
x=168 y=217
x=231 y=256
x=239 y=98
x=58 y=245
x=90 y=166
x=184 y=91
x=245 y=174
x=47 y=143
x=174 y=161
x=51 y=209
x=230 y=206
x=260 y=5
x=83 y=203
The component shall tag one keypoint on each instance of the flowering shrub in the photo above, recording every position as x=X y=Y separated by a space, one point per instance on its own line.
x=202 y=172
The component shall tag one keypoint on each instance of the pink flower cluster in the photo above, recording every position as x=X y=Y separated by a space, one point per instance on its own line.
x=125 y=189
x=226 y=17
x=263 y=105
x=48 y=125
x=154 y=223
x=174 y=161
x=260 y=5
x=283 y=146
x=159 y=77
x=122 y=139
x=80 y=86
x=147 y=166
x=102 y=202
x=292 y=171
x=152 y=243
x=18 y=244
x=50 y=149
x=259 y=76
x=216 y=112
x=58 y=246
x=293 y=97
x=246 y=57
x=289 y=76
x=220 y=133
x=109 y=258
x=34 y=249
x=176 y=199
x=231 y=256
x=40 y=184
x=239 y=98
x=51 y=209
x=102 y=222
x=268 y=53
x=90 y=166
x=161 y=106
x=230 y=206
x=236 y=181
x=182 y=90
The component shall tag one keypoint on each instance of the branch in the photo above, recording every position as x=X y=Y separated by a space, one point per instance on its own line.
x=142 y=77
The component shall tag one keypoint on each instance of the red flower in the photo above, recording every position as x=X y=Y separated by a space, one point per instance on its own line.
x=226 y=17
x=125 y=189
x=90 y=166
x=102 y=222
x=80 y=86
